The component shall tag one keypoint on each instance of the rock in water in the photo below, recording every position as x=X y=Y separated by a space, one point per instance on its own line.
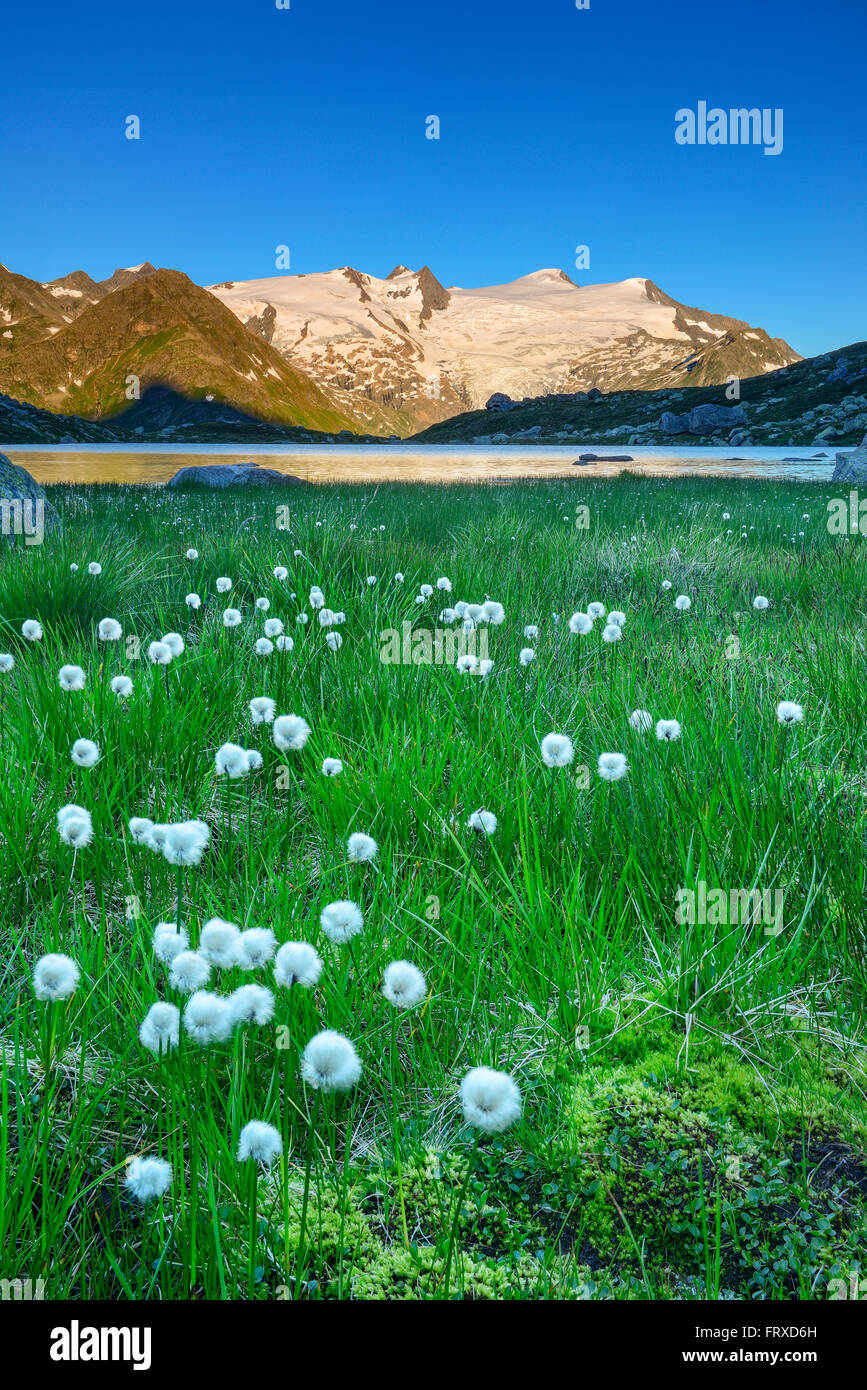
x=851 y=467
x=232 y=475
x=603 y=458
x=24 y=510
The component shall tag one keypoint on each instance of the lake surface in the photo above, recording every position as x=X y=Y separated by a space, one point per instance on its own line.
x=421 y=463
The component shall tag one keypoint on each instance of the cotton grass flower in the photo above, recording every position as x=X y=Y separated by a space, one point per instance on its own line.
x=760 y=603
x=186 y=842
x=330 y=1063
x=160 y=1028
x=557 y=750
x=789 y=713
x=262 y=709
x=483 y=821
x=188 y=972
x=334 y=641
x=94 y=567
x=284 y=644
x=273 y=627
x=169 y=940
x=596 y=610
x=232 y=618
x=444 y=584
x=71 y=678
x=148 y=1178
x=109 y=630
x=297 y=963
x=494 y=613
x=224 y=584
x=259 y=1143
x=251 y=1004
x=175 y=643
x=490 y=1099
x=341 y=921
x=220 y=943
x=84 y=752
x=682 y=603
x=280 y=572
x=526 y=655
x=611 y=766
x=666 y=583
x=263 y=646
x=7 y=661
x=361 y=848
x=316 y=598
x=257 y=947
x=207 y=1018
x=231 y=761
x=641 y=721
x=121 y=686
x=140 y=828
x=332 y=767
x=55 y=977
x=611 y=633
x=404 y=985
x=74 y=826
x=193 y=601
x=32 y=630
x=290 y=732
x=192 y=554
x=581 y=624
x=668 y=730
x=159 y=654
x=263 y=604
x=616 y=617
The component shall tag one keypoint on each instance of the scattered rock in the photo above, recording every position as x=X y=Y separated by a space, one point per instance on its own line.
x=851 y=467
x=603 y=458
x=24 y=521
x=500 y=401
x=232 y=475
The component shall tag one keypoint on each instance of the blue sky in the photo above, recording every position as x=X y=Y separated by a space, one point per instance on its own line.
x=306 y=127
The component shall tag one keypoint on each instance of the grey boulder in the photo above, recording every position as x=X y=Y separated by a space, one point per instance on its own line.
x=851 y=467
x=24 y=511
x=704 y=419
x=224 y=475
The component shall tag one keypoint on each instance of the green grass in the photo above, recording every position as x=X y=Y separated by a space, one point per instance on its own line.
x=693 y=1120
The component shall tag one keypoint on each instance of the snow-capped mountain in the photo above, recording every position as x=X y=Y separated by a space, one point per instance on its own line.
x=428 y=352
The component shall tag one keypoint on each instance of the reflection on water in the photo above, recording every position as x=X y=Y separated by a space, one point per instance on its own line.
x=156 y=463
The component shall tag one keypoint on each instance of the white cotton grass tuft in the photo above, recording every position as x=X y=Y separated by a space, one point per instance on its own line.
x=341 y=921
x=760 y=603
x=789 y=713
x=193 y=600
x=611 y=766
x=7 y=661
x=444 y=584
x=596 y=610
x=251 y=1004
x=186 y=841
x=581 y=624
x=332 y=767
x=140 y=828
x=192 y=554
x=611 y=633
x=160 y=1028
x=223 y=584
x=404 y=986
x=483 y=821
x=284 y=643
x=616 y=617
x=231 y=761
x=262 y=709
x=297 y=963
x=317 y=598
x=494 y=613
x=334 y=641
x=188 y=972
x=55 y=977
x=148 y=1178
x=361 y=848
x=668 y=730
x=159 y=654
x=526 y=655
x=32 y=630
x=232 y=617
x=254 y=759
x=169 y=940
x=531 y=631
x=74 y=826
x=330 y=1062
x=259 y=1143
x=84 y=752
x=557 y=750
x=290 y=732
x=263 y=646
x=490 y=1099
x=256 y=948
x=207 y=1018
x=273 y=627
x=666 y=583
x=94 y=567
x=175 y=643
x=263 y=604
x=220 y=943
x=121 y=686
x=682 y=603
x=71 y=678
x=156 y=838
x=109 y=630
x=641 y=721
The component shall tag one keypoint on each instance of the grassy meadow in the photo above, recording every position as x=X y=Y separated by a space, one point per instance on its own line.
x=693 y=1117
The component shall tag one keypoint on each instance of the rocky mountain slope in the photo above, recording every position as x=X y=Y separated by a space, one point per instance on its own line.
x=818 y=401
x=425 y=351
x=158 y=328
